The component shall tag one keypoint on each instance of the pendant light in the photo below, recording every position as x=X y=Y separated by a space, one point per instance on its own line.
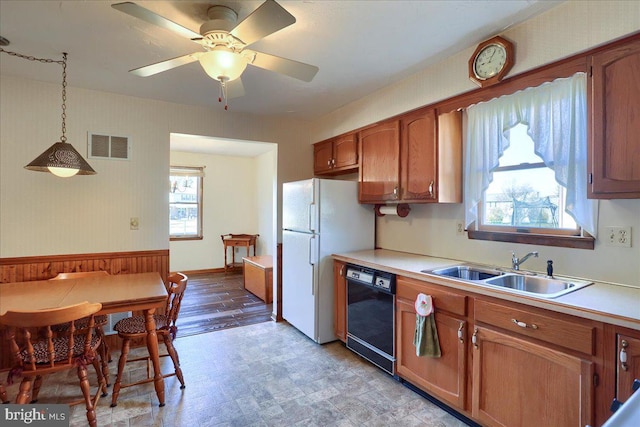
x=61 y=159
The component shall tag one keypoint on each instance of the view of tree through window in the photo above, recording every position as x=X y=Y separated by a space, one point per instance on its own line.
x=524 y=192
x=185 y=202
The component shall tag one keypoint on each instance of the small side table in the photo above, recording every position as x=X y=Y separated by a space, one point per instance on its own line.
x=258 y=276
x=233 y=240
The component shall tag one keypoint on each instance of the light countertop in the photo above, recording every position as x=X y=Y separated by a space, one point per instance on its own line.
x=604 y=302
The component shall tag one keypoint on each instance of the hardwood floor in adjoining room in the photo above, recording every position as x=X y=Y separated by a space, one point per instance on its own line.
x=215 y=301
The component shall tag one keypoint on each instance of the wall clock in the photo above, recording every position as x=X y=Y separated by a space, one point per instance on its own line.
x=491 y=61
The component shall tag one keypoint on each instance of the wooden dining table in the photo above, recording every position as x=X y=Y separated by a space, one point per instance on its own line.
x=116 y=293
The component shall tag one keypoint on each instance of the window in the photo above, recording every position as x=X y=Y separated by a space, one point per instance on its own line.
x=185 y=203
x=525 y=167
x=524 y=195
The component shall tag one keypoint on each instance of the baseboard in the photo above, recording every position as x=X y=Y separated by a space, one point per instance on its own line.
x=209 y=270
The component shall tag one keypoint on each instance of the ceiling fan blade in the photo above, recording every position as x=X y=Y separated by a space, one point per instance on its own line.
x=155 y=19
x=289 y=67
x=266 y=19
x=235 y=88
x=158 y=67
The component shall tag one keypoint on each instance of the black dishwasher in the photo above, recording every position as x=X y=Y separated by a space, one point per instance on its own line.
x=370 y=315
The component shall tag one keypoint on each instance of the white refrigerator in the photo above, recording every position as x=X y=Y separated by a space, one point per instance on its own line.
x=320 y=217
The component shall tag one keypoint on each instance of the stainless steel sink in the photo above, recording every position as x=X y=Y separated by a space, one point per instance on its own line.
x=522 y=283
x=466 y=272
x=538 y=285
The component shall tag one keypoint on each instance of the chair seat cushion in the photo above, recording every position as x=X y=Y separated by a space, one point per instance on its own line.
x=135 y=324
x=99 y=320
x=61 y=348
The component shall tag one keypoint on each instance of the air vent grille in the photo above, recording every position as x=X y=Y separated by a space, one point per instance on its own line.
x=109 y=147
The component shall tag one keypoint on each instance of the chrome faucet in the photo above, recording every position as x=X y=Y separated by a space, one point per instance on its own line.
x=516 y=262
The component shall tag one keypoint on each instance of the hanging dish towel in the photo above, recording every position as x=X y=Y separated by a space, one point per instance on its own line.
x=425 y=337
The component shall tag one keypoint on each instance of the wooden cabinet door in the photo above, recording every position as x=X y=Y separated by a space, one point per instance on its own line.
x=628 y=347
x=322 y=156
x=615 y=123
x=380 y=163
x=418 y=156
x=345 y=151
x=517 y=383
x=442 y=377
x=340 y=300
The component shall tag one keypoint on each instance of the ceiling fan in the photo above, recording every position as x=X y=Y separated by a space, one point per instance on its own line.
x=225 y=56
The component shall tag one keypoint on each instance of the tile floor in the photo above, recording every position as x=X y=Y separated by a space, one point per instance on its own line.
x=267 y=374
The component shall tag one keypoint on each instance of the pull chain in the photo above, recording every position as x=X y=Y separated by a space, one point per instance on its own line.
x=223 y=92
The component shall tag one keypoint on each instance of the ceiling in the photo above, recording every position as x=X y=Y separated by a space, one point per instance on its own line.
x=359 y=47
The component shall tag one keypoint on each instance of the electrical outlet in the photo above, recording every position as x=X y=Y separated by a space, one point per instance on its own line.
x=459 y=229
x=618 y=236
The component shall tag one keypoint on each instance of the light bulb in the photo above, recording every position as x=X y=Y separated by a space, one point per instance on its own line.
x=63 y=172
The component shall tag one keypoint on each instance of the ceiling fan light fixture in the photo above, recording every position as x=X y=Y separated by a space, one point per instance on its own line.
x=223 y=64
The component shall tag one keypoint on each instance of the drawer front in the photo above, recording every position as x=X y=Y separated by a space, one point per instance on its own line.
x=569 y=333
x=443 y=299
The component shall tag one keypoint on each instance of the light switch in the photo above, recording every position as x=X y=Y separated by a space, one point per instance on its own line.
x=133 y=223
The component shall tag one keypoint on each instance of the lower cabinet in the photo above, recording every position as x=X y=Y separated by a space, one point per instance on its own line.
x=628 y=363
x=519 y=383
x=340 y=300
x=443 y=377
x=502 y=364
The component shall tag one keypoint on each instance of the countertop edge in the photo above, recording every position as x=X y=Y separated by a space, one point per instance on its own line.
x=560 y=305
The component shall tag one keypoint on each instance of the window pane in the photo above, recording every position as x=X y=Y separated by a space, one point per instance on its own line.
x=527 y=197
x=184 y=205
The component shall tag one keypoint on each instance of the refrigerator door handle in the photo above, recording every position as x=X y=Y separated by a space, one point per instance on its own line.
x=313 y=253
x=312 y=217
x=313 y=258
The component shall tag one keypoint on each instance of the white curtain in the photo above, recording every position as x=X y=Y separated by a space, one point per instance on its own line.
x=555 y=114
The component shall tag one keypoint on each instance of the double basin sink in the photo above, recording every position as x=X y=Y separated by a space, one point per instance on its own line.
x=514 y=281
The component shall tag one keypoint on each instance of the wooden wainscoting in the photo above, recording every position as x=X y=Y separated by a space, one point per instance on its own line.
x=45 y=267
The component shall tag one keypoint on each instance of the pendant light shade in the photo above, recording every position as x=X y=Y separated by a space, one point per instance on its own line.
x=62 y=160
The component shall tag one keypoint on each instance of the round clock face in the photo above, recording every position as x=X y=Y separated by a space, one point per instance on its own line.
x=490 y=61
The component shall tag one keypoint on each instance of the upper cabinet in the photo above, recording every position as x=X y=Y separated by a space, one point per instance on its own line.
x=614 y=146
x=380 y=163
x=416 y=158
x=336 y=155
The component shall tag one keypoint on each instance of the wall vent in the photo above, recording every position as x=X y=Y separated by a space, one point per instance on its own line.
x=109 y=147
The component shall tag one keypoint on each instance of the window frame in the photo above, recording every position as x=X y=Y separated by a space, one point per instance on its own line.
x=198 y=175
x=546 y=73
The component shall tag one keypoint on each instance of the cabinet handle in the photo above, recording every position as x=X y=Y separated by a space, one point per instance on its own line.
x=460 y=332
x=431 y=189
x=342 y=271
x=333 y=163
x=474 y=337
x=395 y=192
x=623 y=356
x=329 y=162
x=524 y=325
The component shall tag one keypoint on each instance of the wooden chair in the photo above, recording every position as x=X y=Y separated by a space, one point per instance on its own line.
x=100 y=320
x=35 y=356
x=134 y=327
x=3 y=394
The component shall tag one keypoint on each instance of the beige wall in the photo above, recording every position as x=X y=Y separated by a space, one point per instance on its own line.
x=569 y=28
x=41 y=214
